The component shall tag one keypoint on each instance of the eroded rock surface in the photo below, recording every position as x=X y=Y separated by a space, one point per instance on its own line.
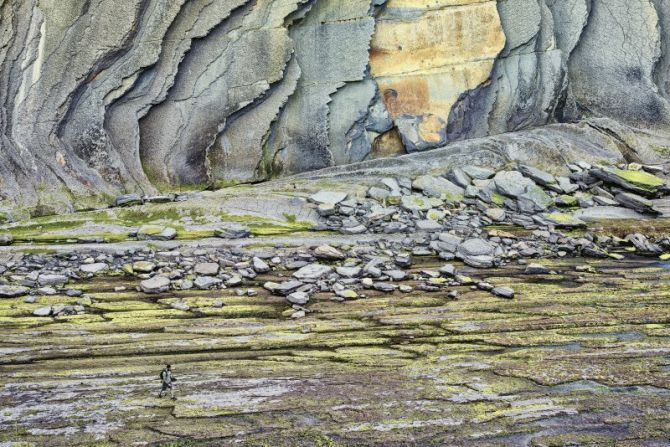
x=135 y=96
x=549 y=366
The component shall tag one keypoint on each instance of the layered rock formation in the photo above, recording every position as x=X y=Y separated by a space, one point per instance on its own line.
x=101 y=98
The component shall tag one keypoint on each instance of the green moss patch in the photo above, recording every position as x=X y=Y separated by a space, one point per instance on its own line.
x=641 y=179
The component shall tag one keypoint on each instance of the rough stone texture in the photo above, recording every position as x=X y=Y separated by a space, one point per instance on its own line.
x=136 y=96
x=561 y=364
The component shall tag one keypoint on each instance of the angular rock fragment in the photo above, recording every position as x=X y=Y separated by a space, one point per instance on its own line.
x=607 y=212
x=385 y=287
x=206 y=268
x=333 y=197
x=537 y=175
x=259 y=265
x=428 y=225
x=52 y=280
x=328 y=252
x=180 y=305
x=347 y=294
x=496 y=214
x=143 y=266
x=536 y=269
x=128 y=200
x=459 y=177
x=155 y=284
x=420 y=133
x=438 y=187
x=476 y=253
x=7 y=291
x=478 y=173
x=566 y=185
x=503 y=292
x=232 y=232
x=43 y=311
x=284 y=288
x=156 y=233
x=643 y=245
x=94 y=268
x=638 y=182
x=511 y=183
x=348 y=272
x=637 y=203
x=206 y=282
x=415 y=203
x=379 y=194
x=299 y=298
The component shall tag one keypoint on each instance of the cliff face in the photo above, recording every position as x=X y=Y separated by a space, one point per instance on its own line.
x=102 y=97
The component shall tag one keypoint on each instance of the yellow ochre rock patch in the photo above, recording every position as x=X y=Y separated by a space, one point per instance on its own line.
x=425 y=53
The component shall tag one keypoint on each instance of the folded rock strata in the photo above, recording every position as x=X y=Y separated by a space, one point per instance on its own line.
x=141 y=96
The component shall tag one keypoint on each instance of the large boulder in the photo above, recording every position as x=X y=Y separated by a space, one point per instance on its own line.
x=7 y=291
x=312 y=272
x=420 y=133
x=438 y=187
x=511 y=183
x=155 y=284
x=637 y=203
x=477 y=253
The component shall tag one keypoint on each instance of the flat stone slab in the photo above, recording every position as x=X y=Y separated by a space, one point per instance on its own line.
x=94 y=268
x=312 y=272
x=12 y=291
x=607 y=212
x=333 y=197
x=156 y=284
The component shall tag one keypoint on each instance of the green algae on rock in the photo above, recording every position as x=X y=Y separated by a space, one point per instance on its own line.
x=447 y=371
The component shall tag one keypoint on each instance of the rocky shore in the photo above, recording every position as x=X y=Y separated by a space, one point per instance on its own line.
x=476 y=308
x=475 y=215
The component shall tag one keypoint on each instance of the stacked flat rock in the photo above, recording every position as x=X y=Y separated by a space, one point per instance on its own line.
x=462 y=215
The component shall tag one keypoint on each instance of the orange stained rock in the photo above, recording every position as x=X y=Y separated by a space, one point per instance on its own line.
x=429 y=128
x=425 y=53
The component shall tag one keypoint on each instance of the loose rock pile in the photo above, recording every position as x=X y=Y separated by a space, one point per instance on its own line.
x=474 y=196
x=457 y=217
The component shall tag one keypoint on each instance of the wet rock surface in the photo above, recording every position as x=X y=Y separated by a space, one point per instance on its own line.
x=482 y=366
x=483 y=308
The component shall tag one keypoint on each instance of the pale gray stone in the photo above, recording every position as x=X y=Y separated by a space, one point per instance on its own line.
x=7 y=291
x=428 y=225
x=328 y=252
x=206 y=282
x=6 y=239
x=156 y=284
x=259 y=265
x=52 y=280
x=511 y=183
x=438 y=187
x=94 y=268
x=312 y=272
x=333 y=197
x=299 y=298
x=206 y=268
x=503 y=292
x=43 y=311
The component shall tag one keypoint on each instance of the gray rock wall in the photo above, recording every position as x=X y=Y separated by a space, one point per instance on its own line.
x=99 y=98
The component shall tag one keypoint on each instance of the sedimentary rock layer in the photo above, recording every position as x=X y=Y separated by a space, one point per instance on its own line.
x=101 y=98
